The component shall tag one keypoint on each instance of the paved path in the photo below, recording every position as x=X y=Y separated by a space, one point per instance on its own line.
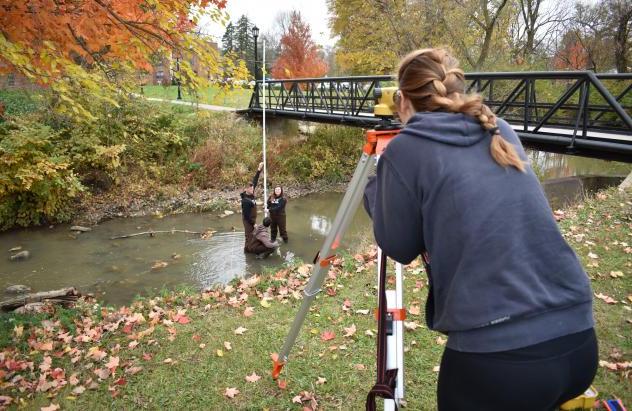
x=189 y=103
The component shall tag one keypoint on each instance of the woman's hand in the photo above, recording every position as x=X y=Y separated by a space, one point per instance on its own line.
x=260 y=166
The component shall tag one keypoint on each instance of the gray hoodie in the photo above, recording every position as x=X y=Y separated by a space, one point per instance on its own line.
x=502 y=275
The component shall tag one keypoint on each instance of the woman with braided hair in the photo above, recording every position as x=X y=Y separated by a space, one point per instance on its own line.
x=455 y=185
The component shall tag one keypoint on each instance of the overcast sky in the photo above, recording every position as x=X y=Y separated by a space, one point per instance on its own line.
x=263 y=13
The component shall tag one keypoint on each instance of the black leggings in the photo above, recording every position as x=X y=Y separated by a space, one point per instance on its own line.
x=535 y=378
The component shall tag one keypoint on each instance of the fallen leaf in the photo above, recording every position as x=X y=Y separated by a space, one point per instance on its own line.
x=240 y=330
x=606 y=299
x=616 y=274
x=363 y=312
x=265 y=304
x=4 y=400
x=46 y=364
x=369 y=333
x=249 y=312
x=159 y=265
x=282 y=384
x=120 y=381
x=147 y=356
x=18 y=330
x=45 y=346
x=113 y=363
x=231 y=392
x=228 y=346
x=441 y=341
x=73 y=380
x=253 y=377
x=327 y=335
x=51 y=407
x=350 y=331
x=168 y=361
x=414 y=310
x=132 y=345
x=78 y=390
x=360 y=367
x=196 y=338
x=133 y=370
x=184 y=319
x=436 y=368
x=102 y=373
x=321 y=380
x=202 y=346
x=593 y=255
x=219 y=353
x=297 y=399
x=411 y=325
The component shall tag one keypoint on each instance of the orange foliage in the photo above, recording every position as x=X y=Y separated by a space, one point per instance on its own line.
x=299 y=54
x=93 y=32
x=573 y=56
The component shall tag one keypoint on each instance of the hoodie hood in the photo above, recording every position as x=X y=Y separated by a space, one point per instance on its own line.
x=455 y=129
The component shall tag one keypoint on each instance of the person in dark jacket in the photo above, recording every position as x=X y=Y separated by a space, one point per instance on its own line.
x=504 y=285
x=249 y=206
x=276 y=207
x=260 y=242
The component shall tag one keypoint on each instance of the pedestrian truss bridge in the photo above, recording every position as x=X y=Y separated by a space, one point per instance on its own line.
x=572 y=112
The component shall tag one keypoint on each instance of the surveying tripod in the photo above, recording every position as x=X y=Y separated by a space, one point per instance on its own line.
x=376 y=141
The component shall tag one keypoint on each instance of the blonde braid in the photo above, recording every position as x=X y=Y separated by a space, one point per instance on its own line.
x=431 y=80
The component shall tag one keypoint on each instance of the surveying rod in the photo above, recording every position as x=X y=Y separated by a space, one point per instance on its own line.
x=265 y=163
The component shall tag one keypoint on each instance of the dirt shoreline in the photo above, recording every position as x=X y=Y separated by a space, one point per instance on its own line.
x=94 y=209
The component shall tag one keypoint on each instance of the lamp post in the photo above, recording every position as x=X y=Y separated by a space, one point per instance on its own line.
x=255 y=34
x=178 y=78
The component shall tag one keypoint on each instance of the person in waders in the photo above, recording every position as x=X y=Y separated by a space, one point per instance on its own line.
x=504 y=286
x=249 y=206
x=260 y=242
x=276 y=206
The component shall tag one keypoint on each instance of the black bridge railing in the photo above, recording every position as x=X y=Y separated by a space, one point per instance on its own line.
x=577 y=112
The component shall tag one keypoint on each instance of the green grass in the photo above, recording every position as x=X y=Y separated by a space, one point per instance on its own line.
x=197 y=377
x=238 y=97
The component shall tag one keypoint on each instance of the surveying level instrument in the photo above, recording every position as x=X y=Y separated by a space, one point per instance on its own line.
x=391 y=312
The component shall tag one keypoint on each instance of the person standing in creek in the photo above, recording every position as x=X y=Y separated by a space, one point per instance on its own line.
x=276 y=206
x=249 y=206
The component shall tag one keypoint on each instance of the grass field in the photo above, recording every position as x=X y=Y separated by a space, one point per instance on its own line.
x=238 y=98
x=192 y=350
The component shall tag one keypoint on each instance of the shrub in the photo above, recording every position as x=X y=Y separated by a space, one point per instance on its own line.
x=36 y=181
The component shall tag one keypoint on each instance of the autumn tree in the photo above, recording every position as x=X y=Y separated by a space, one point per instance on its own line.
x=85 y=49
x=298 y=55
x=572 y=55
x=375 y=34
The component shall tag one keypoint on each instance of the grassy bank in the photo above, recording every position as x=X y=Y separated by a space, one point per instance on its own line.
x=53 y=167
x=238 y=97
x=206 y=350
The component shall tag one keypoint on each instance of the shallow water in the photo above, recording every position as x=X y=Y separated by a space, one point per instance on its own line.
x=117 y=270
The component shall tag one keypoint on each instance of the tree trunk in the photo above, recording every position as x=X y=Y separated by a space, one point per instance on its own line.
x=621 y=41
x=64 y=296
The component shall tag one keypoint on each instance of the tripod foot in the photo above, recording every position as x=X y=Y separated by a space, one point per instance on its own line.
x=277 y=366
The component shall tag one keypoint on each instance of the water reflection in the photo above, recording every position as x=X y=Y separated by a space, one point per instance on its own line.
x=320 y=224
x=554 y=165
x=219 y=259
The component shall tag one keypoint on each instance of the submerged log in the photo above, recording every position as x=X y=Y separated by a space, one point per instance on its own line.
x=151 y=233
x=64 y=296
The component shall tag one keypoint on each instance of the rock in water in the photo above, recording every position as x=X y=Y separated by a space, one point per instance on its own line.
x=22 y=255
x=80 y=228
x=14 y=249
x=18 y=289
